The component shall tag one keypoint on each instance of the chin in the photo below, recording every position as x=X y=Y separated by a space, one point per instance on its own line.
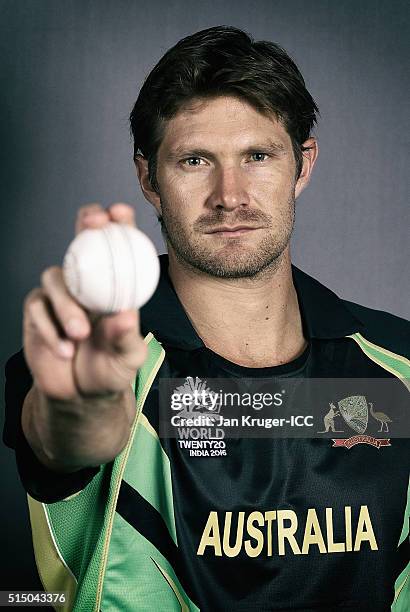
x=232 y=266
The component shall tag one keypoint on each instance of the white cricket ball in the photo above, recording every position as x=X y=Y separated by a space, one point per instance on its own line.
x=111 y=269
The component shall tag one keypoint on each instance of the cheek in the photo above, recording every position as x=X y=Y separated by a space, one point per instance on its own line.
x=181 y=187
x=178 y=204
x=193 y=187
x=183 y=197
x=271 y=186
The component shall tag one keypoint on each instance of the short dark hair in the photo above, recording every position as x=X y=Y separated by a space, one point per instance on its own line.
x=222 y=60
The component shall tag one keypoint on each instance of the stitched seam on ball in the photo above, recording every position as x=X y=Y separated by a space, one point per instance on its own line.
x=73 y=277
x=107 y=238
x=133 y=292
x=119 y=247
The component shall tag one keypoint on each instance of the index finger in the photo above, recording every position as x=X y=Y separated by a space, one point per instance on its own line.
x=68 y=312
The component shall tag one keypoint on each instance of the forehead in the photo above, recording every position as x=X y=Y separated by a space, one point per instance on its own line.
x=225 y=119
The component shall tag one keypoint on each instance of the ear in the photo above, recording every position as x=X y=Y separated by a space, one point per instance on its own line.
x=310 y=151
x=141 y=165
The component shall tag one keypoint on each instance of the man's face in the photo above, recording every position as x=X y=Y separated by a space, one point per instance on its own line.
x=223 y=165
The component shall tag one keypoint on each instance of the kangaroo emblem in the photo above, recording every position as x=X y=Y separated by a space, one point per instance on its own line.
x=329 y=420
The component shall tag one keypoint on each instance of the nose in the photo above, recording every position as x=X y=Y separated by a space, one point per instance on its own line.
x=228 y=189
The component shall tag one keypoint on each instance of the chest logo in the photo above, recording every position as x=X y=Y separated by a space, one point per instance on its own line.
x=355 y=411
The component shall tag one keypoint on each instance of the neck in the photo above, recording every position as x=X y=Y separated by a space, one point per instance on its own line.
x=254 y=322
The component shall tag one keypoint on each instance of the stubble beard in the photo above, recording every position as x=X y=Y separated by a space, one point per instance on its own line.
x=231 y=260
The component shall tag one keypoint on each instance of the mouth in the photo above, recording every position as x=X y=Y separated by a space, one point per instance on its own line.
x=231 y=232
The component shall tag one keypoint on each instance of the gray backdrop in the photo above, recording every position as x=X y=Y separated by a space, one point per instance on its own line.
x=70 y=72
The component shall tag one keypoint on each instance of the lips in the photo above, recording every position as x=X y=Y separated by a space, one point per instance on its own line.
x=225 y=229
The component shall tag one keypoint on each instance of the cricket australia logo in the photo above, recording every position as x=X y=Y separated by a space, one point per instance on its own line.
x=355 y=413
x=354 y=410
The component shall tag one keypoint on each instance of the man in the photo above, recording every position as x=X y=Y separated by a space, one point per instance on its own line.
x=125 y=519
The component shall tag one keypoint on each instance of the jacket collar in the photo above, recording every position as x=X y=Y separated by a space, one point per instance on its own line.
x=324 y=314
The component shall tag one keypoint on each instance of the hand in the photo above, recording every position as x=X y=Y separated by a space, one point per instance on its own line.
x=69 y=351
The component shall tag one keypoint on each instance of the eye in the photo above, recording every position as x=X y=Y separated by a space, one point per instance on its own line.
x=258 y=156
x=192 y=161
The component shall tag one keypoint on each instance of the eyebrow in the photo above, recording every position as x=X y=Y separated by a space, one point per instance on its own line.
x=270 y=147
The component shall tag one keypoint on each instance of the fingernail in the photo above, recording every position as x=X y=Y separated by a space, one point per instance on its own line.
x=75 y=327
x=65 y=349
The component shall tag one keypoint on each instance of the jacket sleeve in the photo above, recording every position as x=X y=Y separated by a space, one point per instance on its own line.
x=41 y=483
